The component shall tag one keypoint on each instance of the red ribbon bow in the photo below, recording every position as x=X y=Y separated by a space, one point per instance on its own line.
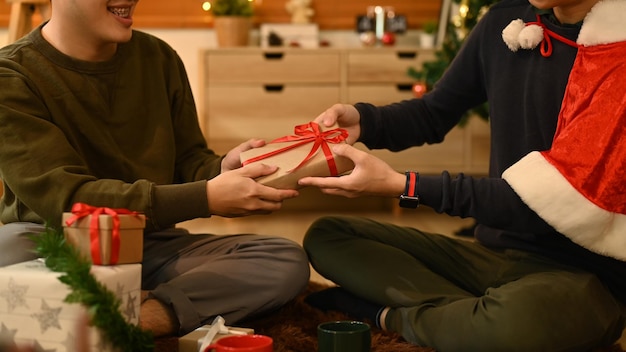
x=81 y=210
x=308 y=133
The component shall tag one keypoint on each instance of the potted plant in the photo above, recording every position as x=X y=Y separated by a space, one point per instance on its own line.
x=427 y=36
x=232 y=20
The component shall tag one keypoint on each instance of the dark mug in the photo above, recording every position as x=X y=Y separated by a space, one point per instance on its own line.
x=344 y=336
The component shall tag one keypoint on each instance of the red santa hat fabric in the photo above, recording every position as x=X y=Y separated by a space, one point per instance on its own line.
x=579 y=185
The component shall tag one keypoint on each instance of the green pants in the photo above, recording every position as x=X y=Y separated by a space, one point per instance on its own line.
x=457 y=295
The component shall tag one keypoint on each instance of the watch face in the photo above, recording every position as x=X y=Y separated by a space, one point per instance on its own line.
x=409 y=202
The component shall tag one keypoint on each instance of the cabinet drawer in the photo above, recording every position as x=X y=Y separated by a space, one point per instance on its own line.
x=379 y=94
x=238 y=113
x=273 y=67
x=385 y=65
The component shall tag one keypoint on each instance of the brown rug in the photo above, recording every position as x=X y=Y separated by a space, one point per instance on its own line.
x=294 y=329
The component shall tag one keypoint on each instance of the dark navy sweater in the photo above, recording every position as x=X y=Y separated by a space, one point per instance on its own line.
x=524 y=91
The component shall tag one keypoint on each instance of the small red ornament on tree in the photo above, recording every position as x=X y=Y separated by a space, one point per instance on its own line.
x=389 y=38
x=419 y=89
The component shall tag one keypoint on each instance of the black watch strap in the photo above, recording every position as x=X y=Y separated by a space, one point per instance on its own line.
x=410 y=199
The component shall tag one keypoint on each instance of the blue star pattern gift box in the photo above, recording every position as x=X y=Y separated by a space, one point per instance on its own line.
x=33 y=311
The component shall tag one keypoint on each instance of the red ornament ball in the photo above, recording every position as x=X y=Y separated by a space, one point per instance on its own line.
x=389 y=38
x=419 y=89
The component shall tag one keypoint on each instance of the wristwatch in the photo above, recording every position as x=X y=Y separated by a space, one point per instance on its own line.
x=410 y=199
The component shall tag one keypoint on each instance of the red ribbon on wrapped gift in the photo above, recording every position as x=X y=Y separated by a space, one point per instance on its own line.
x=308 y=133
x=81 y=210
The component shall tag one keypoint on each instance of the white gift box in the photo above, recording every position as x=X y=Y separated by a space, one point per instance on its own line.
x=33 y=311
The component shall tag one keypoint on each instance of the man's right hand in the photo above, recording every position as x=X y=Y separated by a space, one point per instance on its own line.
x=235 y=193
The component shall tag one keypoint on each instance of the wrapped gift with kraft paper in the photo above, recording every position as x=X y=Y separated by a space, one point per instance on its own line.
x=105 y=236
x=193 y=341
x=33 y=311
x=307 y=153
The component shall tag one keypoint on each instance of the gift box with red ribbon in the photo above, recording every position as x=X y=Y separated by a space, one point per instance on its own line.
x=306 y=153
x=105 y=236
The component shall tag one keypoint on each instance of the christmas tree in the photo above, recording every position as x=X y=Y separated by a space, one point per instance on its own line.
x=460 y=24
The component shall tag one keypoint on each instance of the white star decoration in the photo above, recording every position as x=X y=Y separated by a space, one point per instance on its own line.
x=119 y=291
x=15 y=295
x=130 y=308
x=48 y=317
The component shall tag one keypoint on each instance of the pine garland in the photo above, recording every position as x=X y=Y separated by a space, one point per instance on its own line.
x=101 y=303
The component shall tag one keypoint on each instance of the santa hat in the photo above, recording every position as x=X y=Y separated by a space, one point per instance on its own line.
x=579 y=185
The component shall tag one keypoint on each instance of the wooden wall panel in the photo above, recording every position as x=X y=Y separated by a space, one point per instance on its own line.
x=329 y=14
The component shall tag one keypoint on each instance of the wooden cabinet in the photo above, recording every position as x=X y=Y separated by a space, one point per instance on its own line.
x=254 y=92
x=379 y=76
x=263 y=93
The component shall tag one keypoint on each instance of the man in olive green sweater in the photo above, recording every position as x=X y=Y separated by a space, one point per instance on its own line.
x=94 y=112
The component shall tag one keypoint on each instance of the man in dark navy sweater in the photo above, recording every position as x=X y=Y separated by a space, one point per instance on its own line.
x=538 y=277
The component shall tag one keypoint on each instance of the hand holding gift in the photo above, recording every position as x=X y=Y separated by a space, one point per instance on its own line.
x=371 y=177
x=236 y=193
x=344 y=116
x=307 y=153
x=232 y=159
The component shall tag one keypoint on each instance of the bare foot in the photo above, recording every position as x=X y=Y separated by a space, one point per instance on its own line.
x=158 y=318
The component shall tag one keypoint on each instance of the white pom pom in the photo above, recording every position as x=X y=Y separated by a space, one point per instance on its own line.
x=510 y=34
x=530 y=36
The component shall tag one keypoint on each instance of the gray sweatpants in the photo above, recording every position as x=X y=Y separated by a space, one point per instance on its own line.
x=201 y=276
x=457 y=295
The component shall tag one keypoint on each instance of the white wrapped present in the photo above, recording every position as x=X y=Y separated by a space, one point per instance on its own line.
x=33 y=311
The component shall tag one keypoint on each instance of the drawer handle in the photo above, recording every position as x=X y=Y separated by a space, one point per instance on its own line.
x=274 y=87
x=273 y=56
x=407 y=54
x=404 y=87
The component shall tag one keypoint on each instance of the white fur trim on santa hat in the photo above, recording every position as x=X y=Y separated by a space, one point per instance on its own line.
x=542 y=187
x=604 y=24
